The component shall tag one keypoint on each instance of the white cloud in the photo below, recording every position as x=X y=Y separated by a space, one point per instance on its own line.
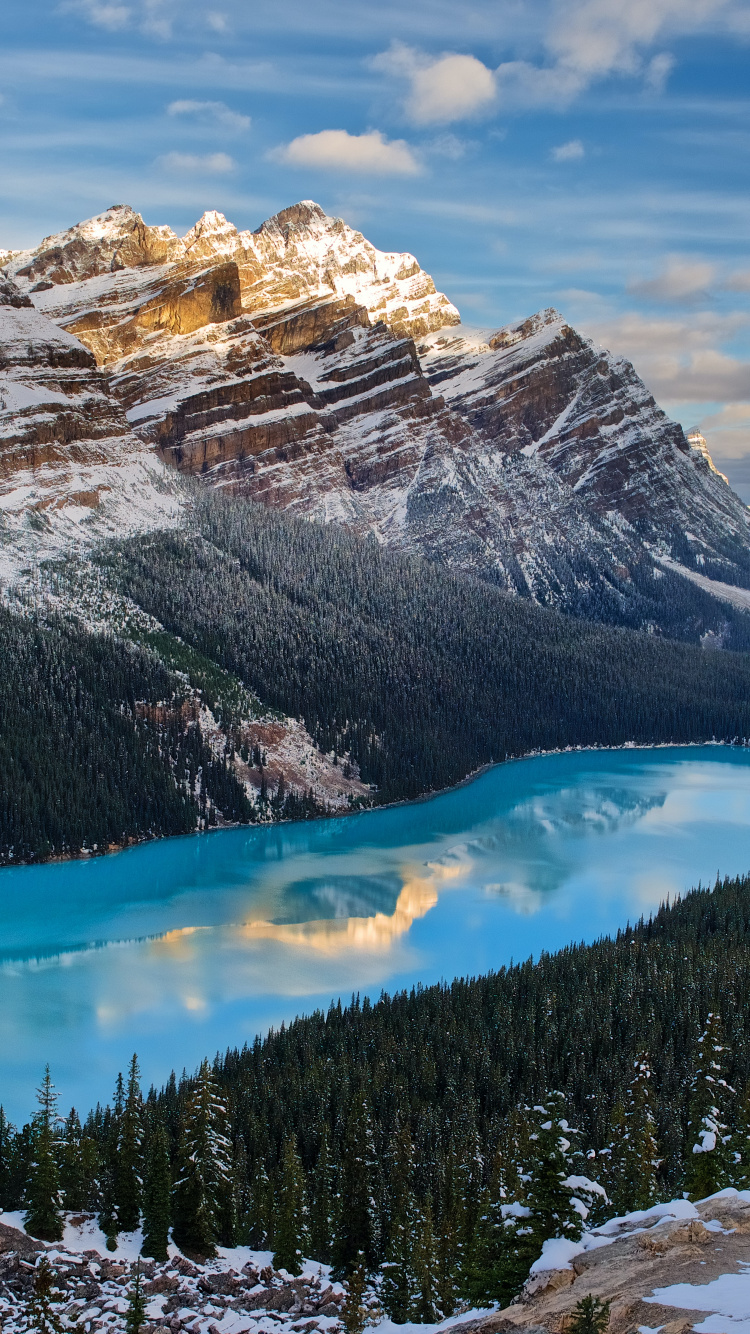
x=738 y=282
x=681 y=359
x=729 y=430
x=337 y=150
x=449 y=88
x=216 y=111
x=573 y=151
x=212 y=164
x=217 y=22
x=680 y=280
x=111 y=17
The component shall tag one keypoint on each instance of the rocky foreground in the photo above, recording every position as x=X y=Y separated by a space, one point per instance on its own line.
x=675 y=1268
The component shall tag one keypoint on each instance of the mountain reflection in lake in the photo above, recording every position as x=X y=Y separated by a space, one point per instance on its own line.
x=179 y=948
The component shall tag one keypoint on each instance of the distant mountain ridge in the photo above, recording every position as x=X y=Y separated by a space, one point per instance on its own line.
x=301 y=367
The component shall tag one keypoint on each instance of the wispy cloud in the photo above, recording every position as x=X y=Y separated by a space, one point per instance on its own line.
x=210 y=111
x=212 y=164
x=572 y=151
x=681 y=359
x=337 y=150
x=680 y=280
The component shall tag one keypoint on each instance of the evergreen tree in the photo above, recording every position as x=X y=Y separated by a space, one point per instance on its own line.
x=43 y=1217
x=129 y=1158
x=355 y=1229
x=740 y=1143
x=288 y=1232
x=709 y=1154
x=203 y=1158
x=235 y=1199
x=320 y=1210
x=590 y=1316
x=354 y=1313
x=632 y=1175
x=398 y=1291
x=261 y=1207
x=157 y=1190
x=548 y=1197
x=42 y=1318
x=7 y=1154
x=425 y=1306
x=135 y=1316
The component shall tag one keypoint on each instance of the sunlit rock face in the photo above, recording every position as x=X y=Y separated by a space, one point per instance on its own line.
x=70 y=466
x=300 y=366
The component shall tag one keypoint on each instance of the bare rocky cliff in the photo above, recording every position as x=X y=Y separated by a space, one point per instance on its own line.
x=302 y=367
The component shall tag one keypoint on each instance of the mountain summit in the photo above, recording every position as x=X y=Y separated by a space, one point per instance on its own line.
x=300 y=366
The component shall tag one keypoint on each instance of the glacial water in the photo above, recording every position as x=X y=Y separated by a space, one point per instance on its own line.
x=181 y=948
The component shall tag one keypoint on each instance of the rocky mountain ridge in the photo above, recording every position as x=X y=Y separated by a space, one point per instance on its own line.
x=301 y=367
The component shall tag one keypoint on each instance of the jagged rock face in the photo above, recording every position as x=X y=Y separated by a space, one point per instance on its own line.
x=70 y=467
x=282 y=363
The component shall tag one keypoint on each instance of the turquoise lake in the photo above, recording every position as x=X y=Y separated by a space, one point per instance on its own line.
x=180 y=948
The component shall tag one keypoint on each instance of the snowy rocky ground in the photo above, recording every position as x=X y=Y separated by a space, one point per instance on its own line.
x=675 y=1268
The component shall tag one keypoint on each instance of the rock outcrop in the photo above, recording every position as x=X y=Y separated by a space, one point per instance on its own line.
x=298 y=365
x=71 y=469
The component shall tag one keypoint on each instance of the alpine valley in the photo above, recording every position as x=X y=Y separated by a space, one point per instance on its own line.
x=511 y=548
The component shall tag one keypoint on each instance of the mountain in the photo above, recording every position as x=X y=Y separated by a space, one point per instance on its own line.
x=301 y=367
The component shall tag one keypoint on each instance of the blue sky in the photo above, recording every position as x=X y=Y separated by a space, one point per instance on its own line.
x=587 y=154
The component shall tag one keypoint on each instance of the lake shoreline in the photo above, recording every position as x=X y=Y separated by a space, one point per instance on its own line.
x=112 y=849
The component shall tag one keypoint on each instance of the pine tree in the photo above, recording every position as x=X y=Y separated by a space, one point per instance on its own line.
x=398 y=1286
x=135 y=1316
x=590 y=1316
x=709 y=1155
x=261 y=1208
x=740 y=1143
x=7 y=1148
x=320 y=1209
x=157 y=1191
x=42 y=1318
x=548 y=1198
x=288 y=1232
x=355 y=1229
x=634 y=1156
x=43 y=1217
x=203 y=1157
x=354 y=1313
x=129 y=1160
x=234 y=1200
x=425 y=1308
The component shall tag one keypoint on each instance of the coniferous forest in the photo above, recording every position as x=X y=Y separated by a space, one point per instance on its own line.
x=433 y=1140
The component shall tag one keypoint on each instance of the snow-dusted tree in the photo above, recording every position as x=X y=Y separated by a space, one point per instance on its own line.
x=261 y=1207
x=550 y=1193
x=320 y=1208
x=290 y=1211
x=633 y=1157
x=157 y=1189
x=135 y=1316
x=740 y=1144
x=709 y=1153
x=355 y=1222
x=397 y=1290
x=203 y=1167
x=43 y=1217
x=354 y=1314
x=41 y=1316
x=129 y=1160
x=425 y=1309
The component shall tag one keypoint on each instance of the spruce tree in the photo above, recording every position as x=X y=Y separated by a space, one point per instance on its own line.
x=43 y=1217
x=590 y=1316
x=289 y=1226
x=354 y=1313
x=632 y=1177
x=398 y=1286
x=320 y=1209
x=157 y=1191
x=41 y=1316
x=548 y=1197
x=709 y=1155
x=425 y=1308
x=135 y=1316
x=355 y=1230
x=7 y=1153
x=129 y=1158
x=203 y=1166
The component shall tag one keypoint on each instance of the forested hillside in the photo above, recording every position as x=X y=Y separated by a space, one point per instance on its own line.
x=420 y=674
x=435 y=1138
x=84 y=764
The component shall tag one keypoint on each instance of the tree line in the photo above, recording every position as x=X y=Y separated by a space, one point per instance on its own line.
x=434 y=1140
